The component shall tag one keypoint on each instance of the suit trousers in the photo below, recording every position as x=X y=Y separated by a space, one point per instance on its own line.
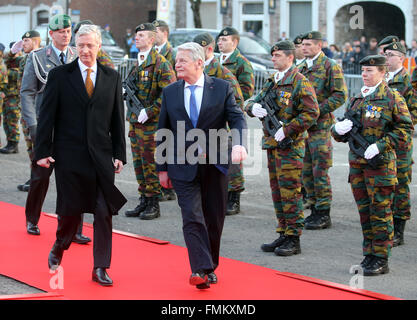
x=203 y=203
x=102 y=244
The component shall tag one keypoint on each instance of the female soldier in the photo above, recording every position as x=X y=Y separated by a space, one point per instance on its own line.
x=385 y=122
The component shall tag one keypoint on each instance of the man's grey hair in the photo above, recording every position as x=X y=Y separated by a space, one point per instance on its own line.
x=87 y=29
x=196 y=51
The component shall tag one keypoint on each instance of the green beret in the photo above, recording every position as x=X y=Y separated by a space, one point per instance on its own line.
x=312 y=35
x=160 y=23
x=145 y=27
x=59 y=21
x=373 y=60
x=298 y=39
x=81 y=23
x=396 y=46
x=31 y=34
x=203 y=39
x=388 y=40
x=228 y=31
x=283 y=45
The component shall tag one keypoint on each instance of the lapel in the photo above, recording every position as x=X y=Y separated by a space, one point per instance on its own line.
x=205 y=103
x=182 y=113
x=100 y=81
x=76 y=81
x=51 y=56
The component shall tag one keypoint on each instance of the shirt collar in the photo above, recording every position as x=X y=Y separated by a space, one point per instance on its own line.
x=143 y=53
x=159 y=48
x=58 y=52
x=391 y=75
x=208 y=61
x=311 y=61
x=199 y=83
x=279 y=75
x=366 y=91
x=83 y=67
x=226 y=55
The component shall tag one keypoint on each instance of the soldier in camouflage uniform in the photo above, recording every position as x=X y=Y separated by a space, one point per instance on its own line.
x=399 y=80
x=385 y=42
x=152 y=73
x=327 y=78
x=11 y=107
x=162 y=44
x=386 y=124
x=3 y=80
x=232 y=59
x=298 y=110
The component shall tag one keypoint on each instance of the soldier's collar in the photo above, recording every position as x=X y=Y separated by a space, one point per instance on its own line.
x=208 y=61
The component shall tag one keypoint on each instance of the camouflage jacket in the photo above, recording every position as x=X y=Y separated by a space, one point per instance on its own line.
x=414 y=78
x=151 y=77
x=3 y=79
x=216 y=70
x=12 y=63
x=402 y=83
x=386 y=121
x=168 y=54
x=105 y=59
x=298 y=105
x=242 y=69
x=328 y=81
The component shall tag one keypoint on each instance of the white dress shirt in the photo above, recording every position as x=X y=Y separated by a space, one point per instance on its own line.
x=143 y=54
x=310 y=62
x=159 y=48
x=93 y=74
x=225 y=56
x=198 y=93
x=279 y=75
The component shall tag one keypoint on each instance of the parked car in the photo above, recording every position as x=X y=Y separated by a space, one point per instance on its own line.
x=254 y=48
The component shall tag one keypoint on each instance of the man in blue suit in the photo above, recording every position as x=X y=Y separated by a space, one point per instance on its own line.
x=195 y=163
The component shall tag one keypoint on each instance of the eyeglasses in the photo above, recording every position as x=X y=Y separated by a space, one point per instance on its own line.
x=390 y=55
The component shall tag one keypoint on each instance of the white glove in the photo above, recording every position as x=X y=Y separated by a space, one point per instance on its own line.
x=258 y=111
x=371 y=151
x=343 y=127
x=280 y=135
x=17 y=47
x=143 y=117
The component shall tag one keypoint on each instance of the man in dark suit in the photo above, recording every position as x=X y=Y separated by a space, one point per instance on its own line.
x=193 y=107
x=81 y=132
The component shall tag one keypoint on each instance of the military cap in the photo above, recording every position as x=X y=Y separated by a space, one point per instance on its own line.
x=203 y=39
x=283 y=45
x=31 y=34
x=228 y=31
x=59 y=21
x=145 y=27
x=81 y=23
x=298 y=39
x=373 y=61
x=160 y=23
x=396 y=46
x=2 y=47
x=312 y=35
x=388 y=40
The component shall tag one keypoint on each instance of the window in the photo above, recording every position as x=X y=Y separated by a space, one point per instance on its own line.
x=300 y=18
x=42 y=17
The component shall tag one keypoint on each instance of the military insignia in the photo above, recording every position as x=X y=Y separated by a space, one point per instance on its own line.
x=395 y=47
x=310 y=36
x=203 y=43
x=372 y=61
x=48 y=66
x=156 y=23
x=275 y=48
x=225 y=33
x=142 y=26
x=27 y=34
x=394 y=40
x=299 y=40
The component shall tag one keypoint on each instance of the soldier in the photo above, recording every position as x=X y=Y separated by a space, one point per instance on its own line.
x=386 y=123
x=232 y=59
x=162 y=44
x=326 y=76
x=299 y=55
x=213 y=68
x=297 y=110
x=399 y=80
x=152 y=74
x=3 y=80
x=38 y=65
x=385 y=42
x=31 y=40
x=11 y=107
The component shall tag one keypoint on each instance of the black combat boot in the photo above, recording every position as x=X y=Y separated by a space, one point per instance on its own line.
x=139 y=208
x=312 y=215
x=321 y=220
x=168 y=194
x=290 y=246
x=377 y=266
x=10 y=148
x=152 y=209
x=233 y=204
x=399 y=226
x=270 y=247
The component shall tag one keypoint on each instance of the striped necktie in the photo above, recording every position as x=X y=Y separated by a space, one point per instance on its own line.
x=89 y=86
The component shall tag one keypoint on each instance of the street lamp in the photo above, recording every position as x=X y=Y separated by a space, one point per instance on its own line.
x=272 y=6
x=224 y=6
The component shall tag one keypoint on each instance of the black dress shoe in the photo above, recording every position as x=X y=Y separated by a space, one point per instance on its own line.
x=270 y=247
x=376 y=267
x=212 y=278
x=81 y=239
x=139 y=208
x=32 y=229
x=366 y=261
x=320 y=220
x=24 y=187
x=290 y=246
x=101 y=277
x=55 y=257
x=200 y=280
x=168 y=194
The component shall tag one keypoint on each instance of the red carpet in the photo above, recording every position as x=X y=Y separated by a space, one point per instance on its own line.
x=143 y=269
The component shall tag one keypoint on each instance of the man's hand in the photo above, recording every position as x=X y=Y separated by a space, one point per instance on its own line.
x=17 y=47
x=45 y=162
x=280 y=135
x=118 y=166
x=238 y=154
x=143 y=117
x=164 y=180
x=258 y=111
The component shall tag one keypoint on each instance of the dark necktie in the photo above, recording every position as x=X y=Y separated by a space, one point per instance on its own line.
x=193 y=106
x=62 y=58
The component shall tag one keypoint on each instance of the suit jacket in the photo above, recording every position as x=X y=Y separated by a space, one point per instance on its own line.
x=83 y=135
x=218 y=108
x=38 y=64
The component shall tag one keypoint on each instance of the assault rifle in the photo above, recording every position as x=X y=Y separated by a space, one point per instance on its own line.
x=133 y=103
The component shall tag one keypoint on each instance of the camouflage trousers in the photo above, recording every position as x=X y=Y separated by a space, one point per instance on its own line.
x=29 y=143
x=401 y=207
x=1 y=112
x=373 y=191
x=317 y=161
x=11 y=117
x=143 y=146
x=286 y=192
x=236 y=178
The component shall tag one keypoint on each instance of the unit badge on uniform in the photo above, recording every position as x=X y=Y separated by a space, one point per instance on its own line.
x=284 y=97
x=373 y=112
